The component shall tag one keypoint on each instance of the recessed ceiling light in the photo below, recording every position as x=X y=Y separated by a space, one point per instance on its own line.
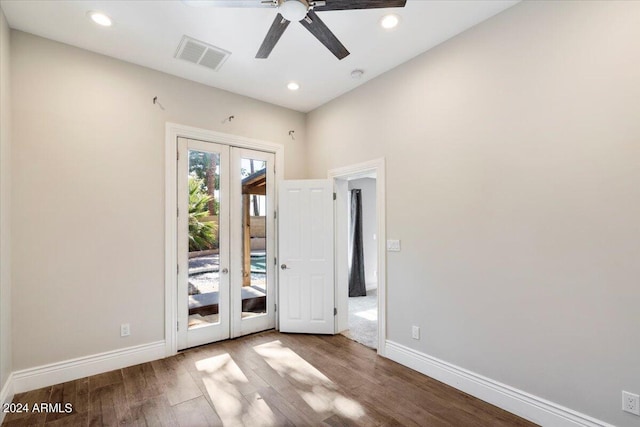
x=293 y=86
x=357 y=74
x=99 y=18
x=390 y=21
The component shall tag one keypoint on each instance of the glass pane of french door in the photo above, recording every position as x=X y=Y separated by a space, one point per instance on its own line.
x=204 y=234
x=254 y=237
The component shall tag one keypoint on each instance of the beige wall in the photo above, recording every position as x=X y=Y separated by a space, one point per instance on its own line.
x=5 y=245
x=88 y=192
x=515 y=147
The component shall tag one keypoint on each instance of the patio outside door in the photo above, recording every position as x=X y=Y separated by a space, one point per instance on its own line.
x=225 y=239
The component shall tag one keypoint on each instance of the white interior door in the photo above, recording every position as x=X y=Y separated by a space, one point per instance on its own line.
x=226 y=242
x=306 y=256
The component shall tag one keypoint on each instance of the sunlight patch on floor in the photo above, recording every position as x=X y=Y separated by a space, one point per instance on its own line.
x=318 y=391
x=368 y=314
x=222 y=368
x=221 y=377
x=258 y=412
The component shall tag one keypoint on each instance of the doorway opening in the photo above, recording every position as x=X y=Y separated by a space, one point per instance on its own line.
x=362 y=259
x=360 y=253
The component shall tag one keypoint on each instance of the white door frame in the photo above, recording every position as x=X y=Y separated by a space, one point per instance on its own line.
x=340 y=177
x=172 y=132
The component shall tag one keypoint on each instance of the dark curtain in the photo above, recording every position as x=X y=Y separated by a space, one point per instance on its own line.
x=357 y=286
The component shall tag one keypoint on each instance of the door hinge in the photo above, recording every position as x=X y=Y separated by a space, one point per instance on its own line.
x=177 y=155
x=335 y=311
x=275 y=261
x=177 y=325
x=275 y=307
x=275 y=215
x=177 y=211
x=177 y=268
x=334 y=196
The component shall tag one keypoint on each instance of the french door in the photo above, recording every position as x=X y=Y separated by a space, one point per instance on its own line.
x=225 y=241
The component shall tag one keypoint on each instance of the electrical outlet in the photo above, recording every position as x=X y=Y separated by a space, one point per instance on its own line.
x=125 y=330
x=631 y=403
x=415 y=332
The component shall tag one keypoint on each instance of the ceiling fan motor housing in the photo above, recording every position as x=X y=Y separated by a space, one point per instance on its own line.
x=293 y=10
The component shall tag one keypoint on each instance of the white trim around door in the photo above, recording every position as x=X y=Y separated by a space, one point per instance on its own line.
x=340 y=176
x=172 y=132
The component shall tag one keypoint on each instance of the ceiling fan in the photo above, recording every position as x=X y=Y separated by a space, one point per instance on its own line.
x=303 y=11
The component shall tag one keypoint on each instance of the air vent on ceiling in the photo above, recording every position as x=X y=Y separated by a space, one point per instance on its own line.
x=201 y=53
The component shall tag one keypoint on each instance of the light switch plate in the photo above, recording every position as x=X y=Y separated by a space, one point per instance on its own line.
x=393 y=245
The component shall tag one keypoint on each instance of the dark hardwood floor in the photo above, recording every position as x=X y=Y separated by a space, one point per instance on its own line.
x=264 y=379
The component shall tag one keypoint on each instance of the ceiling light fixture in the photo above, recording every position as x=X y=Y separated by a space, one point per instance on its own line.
x=357 y=74
x=99 y=18
x=293 y=86
x=390 y=21
x=293 y=10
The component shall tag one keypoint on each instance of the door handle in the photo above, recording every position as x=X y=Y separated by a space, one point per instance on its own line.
x=225 y=270
x=283 y=266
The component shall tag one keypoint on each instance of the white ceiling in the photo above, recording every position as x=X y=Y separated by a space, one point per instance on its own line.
x=148 y=33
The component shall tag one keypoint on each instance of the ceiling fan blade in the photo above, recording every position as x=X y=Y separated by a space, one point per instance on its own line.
x=324 y=34
x=275 y=32
x=359 y=4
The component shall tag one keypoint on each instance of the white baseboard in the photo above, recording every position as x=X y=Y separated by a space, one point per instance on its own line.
x=6 y=395
x=69 y=370
x=518 y=402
